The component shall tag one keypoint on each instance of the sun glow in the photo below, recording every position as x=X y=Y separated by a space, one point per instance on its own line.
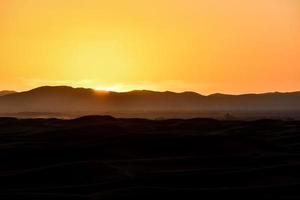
x=124 y=87
x=114 y=88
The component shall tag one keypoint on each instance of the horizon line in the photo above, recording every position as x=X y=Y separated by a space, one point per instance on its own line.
x=148 y=90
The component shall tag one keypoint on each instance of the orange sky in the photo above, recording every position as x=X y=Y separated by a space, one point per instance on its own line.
x=209 y=46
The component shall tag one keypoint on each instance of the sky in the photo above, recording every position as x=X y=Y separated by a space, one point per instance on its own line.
x=207 y=46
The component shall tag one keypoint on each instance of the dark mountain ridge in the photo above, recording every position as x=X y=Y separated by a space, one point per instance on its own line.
x=64 y=99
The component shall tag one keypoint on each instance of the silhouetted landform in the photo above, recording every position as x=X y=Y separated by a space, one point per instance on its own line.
x=101 y=157
x=6 y=92
x=74 y=102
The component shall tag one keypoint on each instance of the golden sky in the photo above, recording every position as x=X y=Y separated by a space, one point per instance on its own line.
x=208 y=46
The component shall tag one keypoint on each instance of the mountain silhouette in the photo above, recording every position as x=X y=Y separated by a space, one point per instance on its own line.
x=64 y=99
x=6 y=92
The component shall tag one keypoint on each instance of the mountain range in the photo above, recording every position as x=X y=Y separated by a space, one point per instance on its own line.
x=6 y=92
x=64 y=99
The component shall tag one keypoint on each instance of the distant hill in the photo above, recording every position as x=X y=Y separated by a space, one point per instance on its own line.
x=6 y=92
x=63 y=99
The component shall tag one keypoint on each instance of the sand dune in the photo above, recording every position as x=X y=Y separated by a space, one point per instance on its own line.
x=108 y=158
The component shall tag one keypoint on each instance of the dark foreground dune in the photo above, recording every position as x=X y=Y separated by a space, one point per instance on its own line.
x=108 y=158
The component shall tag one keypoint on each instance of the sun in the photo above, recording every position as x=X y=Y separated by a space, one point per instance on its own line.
x=112 y=88
x=122 y=87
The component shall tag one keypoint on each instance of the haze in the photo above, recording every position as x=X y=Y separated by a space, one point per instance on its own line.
x=208 y=46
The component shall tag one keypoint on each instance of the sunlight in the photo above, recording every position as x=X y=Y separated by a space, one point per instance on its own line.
x=124 y=87
x=113 y=88
x=95 y=59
